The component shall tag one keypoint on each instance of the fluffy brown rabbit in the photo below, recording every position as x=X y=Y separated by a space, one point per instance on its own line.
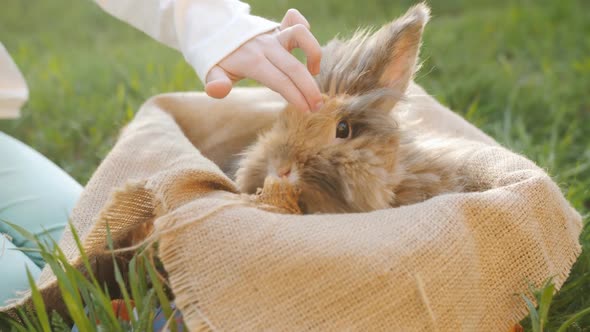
x=354 y=155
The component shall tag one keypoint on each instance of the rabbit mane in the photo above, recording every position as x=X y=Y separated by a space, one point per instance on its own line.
x=383 y=162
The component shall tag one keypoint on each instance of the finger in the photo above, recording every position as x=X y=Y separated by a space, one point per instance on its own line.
x=292 y=17
x=218 y=83
x=267 y=74
x=297 y=73
x=298 y=36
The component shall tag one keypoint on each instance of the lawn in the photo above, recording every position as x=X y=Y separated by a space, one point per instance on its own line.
x=519 y=70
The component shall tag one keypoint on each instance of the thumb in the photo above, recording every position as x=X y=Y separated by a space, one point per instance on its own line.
x=218 y=84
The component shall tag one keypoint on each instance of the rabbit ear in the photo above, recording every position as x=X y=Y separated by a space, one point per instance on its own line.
x=385 y=59
x=396 y=48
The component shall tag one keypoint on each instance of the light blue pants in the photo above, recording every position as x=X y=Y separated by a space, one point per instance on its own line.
x=36 y=195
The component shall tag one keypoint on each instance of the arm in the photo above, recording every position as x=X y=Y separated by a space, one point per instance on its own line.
x=204 y=31
x=224 y=43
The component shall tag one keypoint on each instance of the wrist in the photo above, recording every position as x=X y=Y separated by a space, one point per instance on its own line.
x=204 y=55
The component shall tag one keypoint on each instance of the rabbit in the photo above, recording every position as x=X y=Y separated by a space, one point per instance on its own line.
x=355 y=155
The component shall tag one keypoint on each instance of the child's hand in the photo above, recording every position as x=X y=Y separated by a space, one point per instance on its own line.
x=266 y=58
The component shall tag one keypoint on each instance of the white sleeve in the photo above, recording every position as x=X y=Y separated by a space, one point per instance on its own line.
x=205 y=31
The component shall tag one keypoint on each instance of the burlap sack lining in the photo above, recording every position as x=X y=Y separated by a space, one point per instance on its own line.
x=166 y=195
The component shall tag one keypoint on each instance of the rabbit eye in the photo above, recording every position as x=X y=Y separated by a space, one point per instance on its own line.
x=343 y=129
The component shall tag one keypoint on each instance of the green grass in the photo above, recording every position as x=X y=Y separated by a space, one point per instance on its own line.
x=139 y=283
x=520 y=70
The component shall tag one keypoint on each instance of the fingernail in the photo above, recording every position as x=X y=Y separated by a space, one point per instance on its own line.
x=318 y=106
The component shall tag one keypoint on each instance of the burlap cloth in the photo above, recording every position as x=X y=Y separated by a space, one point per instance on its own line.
x=453 y=263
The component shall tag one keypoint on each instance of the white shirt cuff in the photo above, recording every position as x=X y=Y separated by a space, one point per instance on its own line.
x=206 y=54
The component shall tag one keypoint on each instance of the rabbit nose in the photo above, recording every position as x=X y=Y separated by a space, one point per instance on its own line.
x=284 y=171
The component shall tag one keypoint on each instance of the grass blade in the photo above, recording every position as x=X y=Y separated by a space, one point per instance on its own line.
x=533 y=313
x=162 y=297
x=544 y=299
x=30 y=325
x=7 y=323
x=39 y=304
x=575 y=317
